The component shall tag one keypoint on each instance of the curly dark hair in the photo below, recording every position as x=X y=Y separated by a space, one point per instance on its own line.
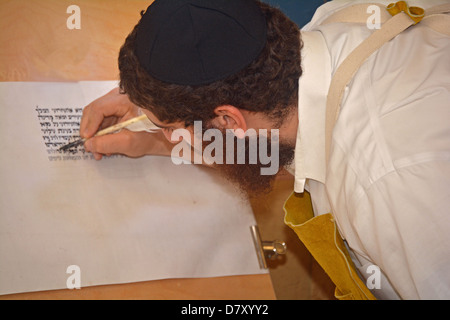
x=269 y=84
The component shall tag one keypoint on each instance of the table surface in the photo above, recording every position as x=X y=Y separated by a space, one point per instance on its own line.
x=40 y=47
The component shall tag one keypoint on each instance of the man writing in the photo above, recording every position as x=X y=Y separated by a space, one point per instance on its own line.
x=241 y=64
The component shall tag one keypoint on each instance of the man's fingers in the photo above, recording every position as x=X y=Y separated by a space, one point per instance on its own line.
x=105 y=111
x=109 y=144
x=97 y=156
x=90 y=122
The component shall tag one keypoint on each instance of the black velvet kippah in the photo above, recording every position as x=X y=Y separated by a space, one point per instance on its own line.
x=196 y=42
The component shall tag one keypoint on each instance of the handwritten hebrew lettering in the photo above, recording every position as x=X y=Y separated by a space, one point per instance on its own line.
x=60 y=126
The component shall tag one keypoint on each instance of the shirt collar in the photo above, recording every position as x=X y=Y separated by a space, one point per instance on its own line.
x=309 y=161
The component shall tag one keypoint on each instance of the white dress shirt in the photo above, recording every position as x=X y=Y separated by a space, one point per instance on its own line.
x=388 y=179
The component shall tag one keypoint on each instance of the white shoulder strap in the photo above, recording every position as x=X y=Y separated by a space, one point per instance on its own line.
x=391 y=28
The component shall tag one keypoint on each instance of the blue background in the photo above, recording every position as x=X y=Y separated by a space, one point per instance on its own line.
x=300 y=11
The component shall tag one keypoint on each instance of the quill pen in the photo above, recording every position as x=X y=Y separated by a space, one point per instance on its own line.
x=139 y=123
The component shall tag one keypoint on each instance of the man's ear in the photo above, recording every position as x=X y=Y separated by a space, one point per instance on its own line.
x=229 y=117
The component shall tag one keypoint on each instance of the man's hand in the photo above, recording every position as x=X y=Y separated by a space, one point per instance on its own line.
x=110 y=109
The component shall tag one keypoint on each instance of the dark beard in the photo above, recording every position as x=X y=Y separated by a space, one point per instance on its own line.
x=247 y=177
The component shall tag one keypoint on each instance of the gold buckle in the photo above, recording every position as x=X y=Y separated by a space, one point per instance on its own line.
x=415 y=13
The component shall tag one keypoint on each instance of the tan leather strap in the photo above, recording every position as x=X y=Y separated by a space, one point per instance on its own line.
x=356 y=14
